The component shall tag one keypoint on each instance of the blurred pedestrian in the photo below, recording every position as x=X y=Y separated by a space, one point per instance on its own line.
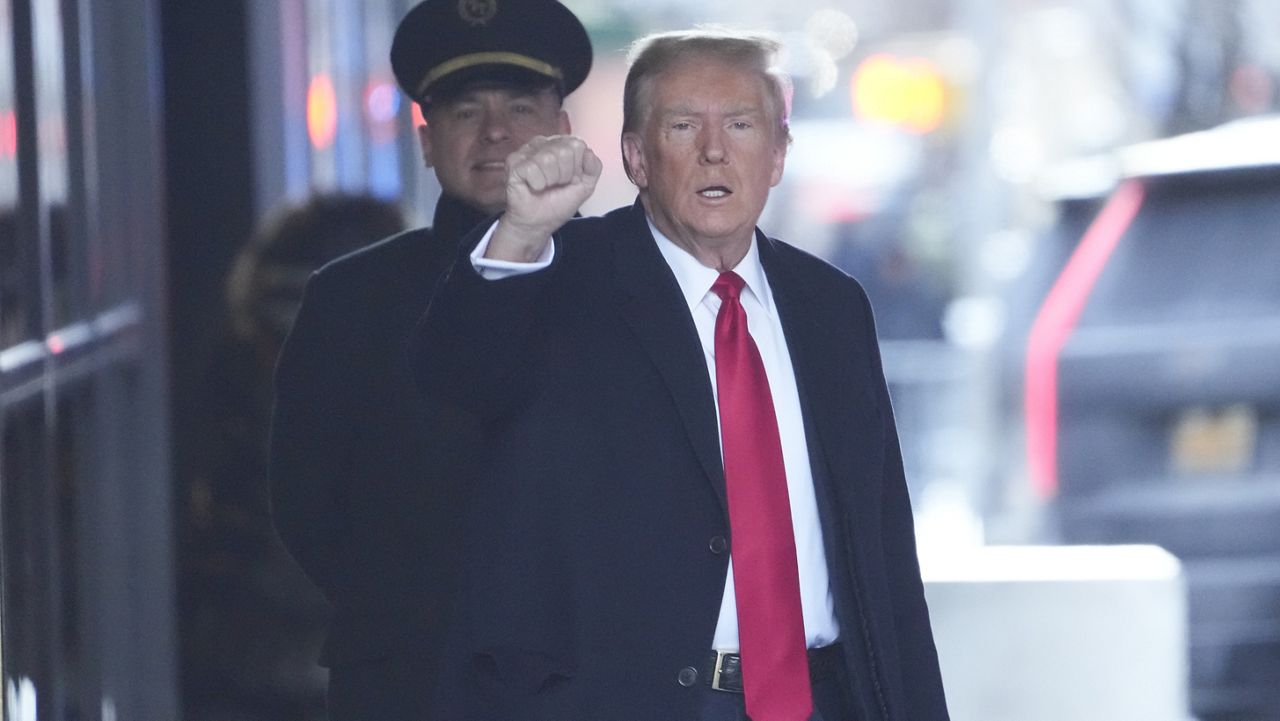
x=366 y=480
x=250 y=622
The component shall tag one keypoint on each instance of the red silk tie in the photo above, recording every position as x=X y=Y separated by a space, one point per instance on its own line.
x=775 y=667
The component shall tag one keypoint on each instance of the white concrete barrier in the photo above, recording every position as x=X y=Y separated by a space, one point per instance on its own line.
x=1060 y=633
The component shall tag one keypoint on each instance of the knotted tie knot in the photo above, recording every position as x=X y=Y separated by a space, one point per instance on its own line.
x=728 y=286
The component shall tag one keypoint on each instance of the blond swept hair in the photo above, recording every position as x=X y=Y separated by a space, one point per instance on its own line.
x=655 y=54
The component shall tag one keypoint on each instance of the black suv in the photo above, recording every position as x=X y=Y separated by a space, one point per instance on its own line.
x=1153 y=389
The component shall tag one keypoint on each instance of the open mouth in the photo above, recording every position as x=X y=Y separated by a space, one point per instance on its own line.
x=714 y=192
x=490 y=166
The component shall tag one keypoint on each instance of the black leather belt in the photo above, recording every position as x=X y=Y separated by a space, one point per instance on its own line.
x=723 y=671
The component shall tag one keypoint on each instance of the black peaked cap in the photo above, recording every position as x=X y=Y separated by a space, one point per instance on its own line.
x=442 y=45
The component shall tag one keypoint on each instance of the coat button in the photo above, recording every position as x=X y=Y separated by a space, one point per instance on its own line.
x=688 y=676
x=718 y=545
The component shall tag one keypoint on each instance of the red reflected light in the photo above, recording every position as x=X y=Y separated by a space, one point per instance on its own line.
x=322 y=112
x=833 y=203
x=8 y=134
x=381 y=105
x=55 y=344
x=1252 y=88
x=381 y=101
x=1053 y=326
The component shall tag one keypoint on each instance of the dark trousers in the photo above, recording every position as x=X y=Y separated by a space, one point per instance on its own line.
x=832 y=699
x=395 y=689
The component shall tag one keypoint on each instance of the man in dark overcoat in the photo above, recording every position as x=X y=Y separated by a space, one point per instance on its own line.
x=692 y=504
x=366 y=481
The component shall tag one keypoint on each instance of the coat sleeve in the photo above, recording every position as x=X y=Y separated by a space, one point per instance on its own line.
x=306 y=457
x=472 y=344
x=917 y=656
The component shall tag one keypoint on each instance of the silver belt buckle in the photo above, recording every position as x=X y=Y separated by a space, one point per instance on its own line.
x=715 y=675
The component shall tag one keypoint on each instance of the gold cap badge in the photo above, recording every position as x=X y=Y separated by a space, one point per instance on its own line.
x=477 y=12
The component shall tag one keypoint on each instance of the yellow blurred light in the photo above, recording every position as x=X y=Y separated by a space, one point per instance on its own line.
x=322 y=112
x=905 y=92
x=928 y=96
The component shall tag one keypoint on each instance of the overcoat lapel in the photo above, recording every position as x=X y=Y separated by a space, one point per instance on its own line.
x=650 y=301
x=828 y=392
x=831 y=397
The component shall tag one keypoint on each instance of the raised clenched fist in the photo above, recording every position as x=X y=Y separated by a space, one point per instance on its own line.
x=548 y=179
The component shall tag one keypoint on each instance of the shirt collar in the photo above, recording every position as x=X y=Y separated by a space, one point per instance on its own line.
x=696 y=279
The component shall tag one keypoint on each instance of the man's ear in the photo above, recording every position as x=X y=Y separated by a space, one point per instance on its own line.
x=633 y=158
x=565 y=127
x=779 y=163
x=424 y=140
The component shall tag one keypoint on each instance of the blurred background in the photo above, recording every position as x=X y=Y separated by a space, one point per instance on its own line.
x=1064 y=211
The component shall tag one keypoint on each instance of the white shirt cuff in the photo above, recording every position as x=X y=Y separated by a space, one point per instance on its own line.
x=493 y=269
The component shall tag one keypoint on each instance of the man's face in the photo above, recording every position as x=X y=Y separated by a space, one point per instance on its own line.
x=708 y=153
x=468 y=138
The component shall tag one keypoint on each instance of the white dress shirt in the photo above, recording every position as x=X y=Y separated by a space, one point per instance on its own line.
x=695 y=280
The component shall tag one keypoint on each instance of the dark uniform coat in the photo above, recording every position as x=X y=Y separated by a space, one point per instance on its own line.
x=364 y=475
x=595 y=561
